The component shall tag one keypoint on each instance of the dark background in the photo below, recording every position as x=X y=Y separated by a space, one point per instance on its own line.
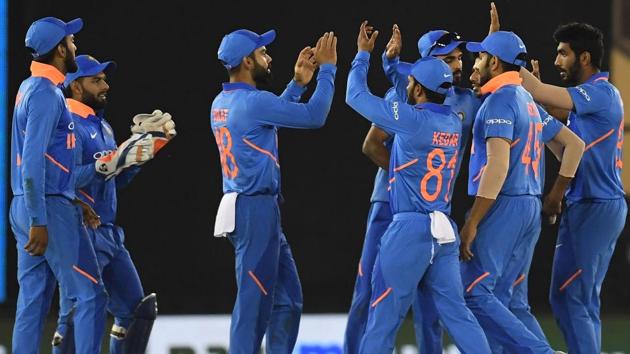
x=166 y=54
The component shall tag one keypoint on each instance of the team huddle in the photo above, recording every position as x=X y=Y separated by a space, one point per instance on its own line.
x=66 y=168
x=473 y=283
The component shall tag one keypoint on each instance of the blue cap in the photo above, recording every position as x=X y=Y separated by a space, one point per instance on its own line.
x=240 y=43
x=505 y=45
x=431 y=72
x=45 y=33
x=438 y=42
x=88 y=66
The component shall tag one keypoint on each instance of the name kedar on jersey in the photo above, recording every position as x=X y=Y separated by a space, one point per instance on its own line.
x=445 y=139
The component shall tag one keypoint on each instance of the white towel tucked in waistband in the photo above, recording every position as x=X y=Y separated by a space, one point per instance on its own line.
x=441 y=228
x=226 y=215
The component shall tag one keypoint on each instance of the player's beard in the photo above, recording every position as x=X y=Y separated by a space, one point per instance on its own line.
x=93 y=101
x=484 y=75
x=572 y=74
x=262 y=77
x=71 y=64
x=457 y=77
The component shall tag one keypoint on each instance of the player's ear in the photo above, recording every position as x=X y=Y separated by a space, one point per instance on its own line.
x=76 y=88
x=585 y=59
x=248 y=62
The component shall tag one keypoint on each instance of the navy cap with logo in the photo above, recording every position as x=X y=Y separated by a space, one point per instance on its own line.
x=88 y=66
x=503 y=44
x=44 y=34
x=432 y=73
x=240 y=43
x=438 y=42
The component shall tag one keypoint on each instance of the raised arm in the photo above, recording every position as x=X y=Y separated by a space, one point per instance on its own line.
x=274 y=110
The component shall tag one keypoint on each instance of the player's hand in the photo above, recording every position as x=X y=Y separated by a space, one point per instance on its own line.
x=367 y=37
x=467 y=236
x=134 y=151
x=90 y=218
x=394 y=46
x=552 y=207
x=536 y=69
x=157 y=124
x=305 y=66
x=326 y=49
x=495 y=26
x=37 y=241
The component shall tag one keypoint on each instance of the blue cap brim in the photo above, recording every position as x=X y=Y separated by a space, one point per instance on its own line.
x=105 y=67
x=74 y=26
x=266 y=38
x=404 y=68
x=474 y=47
x=449 y=48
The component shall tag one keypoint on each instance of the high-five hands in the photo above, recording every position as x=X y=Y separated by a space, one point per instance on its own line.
x=326 y=49
x=394 y=46
x=367 y=37
x=305 y=66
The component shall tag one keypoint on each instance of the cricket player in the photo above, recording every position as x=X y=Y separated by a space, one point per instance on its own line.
x=51 y=240
x=596 y=209
x=245 y=121
x=421 y=243
x=86 y=91
x=505 y=177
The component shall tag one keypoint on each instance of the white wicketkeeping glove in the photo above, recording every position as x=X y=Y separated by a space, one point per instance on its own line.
x=159 y=124
x=134 y=151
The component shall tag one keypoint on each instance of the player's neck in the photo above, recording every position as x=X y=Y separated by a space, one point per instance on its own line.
x=245 y=78
x=587 y=73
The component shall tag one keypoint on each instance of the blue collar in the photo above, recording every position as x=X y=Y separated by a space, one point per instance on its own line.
x=231 y=86
x=434 y=107
x=602 y=75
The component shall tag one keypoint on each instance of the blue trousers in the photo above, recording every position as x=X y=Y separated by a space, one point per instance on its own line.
x=119 y=276
x=379 y=218
x=409 y=256
x=514 y=295
x=586 y=241
x=501 y=247
x=269 y=298
x=69 y=260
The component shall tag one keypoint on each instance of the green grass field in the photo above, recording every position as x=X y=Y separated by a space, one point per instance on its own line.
x=615 y=335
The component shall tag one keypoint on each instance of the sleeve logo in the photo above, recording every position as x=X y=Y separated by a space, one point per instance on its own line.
x=498 y=121
x=583 y=93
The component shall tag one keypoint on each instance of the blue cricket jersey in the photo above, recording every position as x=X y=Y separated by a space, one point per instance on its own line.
x=42 y=142
x=426 y=144
x=95 y=139
x=597 y=118
x=245 y=121
x=464 y=102
x=509 y=112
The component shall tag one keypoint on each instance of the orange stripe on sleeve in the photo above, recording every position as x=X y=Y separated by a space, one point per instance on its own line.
x=87 y=196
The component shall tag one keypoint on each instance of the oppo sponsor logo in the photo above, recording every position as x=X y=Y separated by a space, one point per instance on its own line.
x=583 y=93
x=100 y=154
x=498 y=121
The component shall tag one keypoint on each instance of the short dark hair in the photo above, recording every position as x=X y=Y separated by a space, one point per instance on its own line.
x=509 y=66
x=433 y=96
x=582 y=37
x=48 y=57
